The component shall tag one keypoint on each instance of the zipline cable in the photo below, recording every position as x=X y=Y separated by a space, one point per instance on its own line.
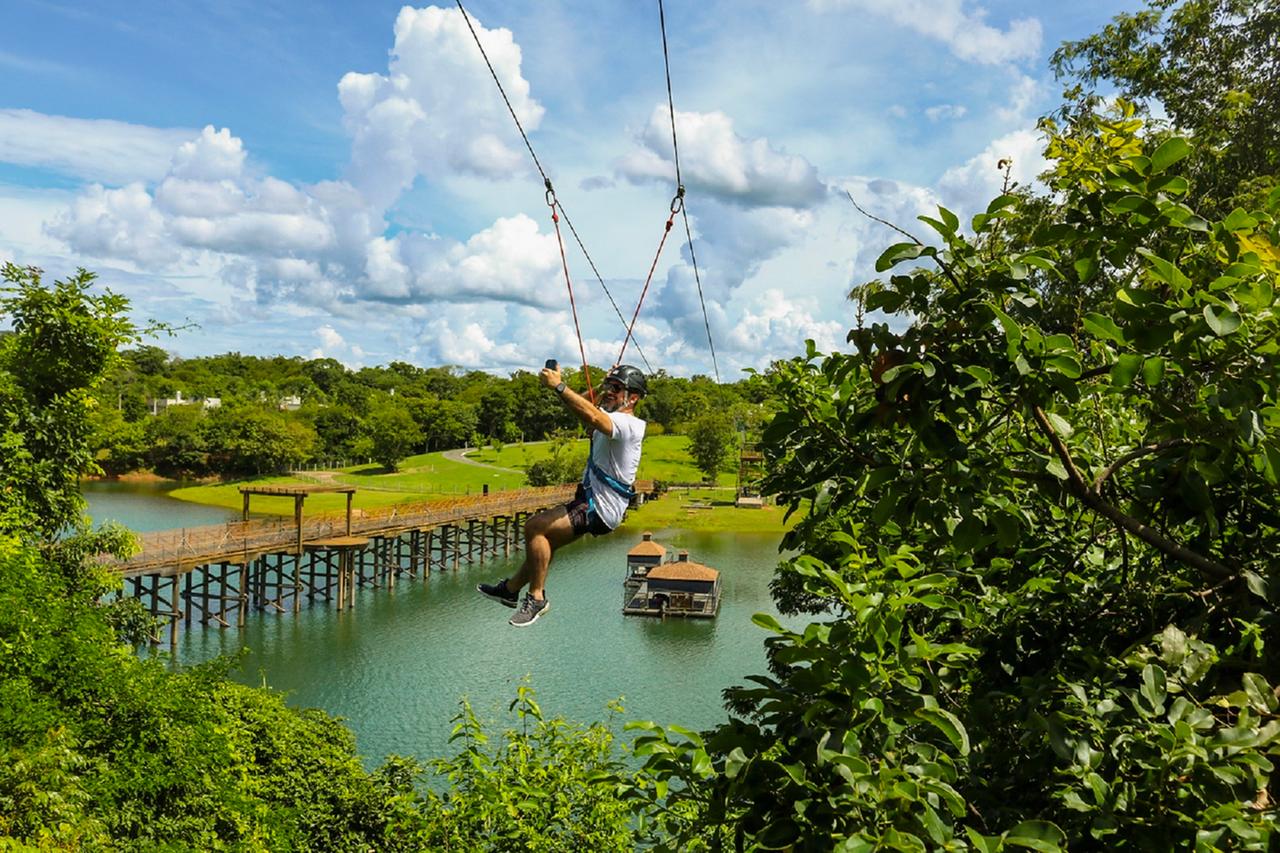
x=552 y=200
x=684 y=213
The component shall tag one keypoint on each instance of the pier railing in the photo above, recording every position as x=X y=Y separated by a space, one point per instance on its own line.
x=169 y=550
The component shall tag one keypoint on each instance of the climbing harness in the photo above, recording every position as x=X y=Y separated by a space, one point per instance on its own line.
x=624 y=490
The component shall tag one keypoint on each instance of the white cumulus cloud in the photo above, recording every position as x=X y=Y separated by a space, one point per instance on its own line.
x=509 y=261
x=122 y=224
x=102 y=150
x=964 y=30
x=969 y=187
x=212 y=156
x=207 y=201
x=773 y=323
x=716 y=161
x=435 y=111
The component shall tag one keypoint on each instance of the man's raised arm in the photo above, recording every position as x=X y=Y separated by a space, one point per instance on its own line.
x=591 y=416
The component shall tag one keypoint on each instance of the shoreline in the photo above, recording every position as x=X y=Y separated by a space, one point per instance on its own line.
x=149 y=478
x=704 y=510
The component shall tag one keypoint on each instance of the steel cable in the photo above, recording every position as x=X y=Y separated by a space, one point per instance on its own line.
x=546 y=180
x=684 y=213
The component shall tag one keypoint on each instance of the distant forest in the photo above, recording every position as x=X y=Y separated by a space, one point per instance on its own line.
x=240 y=415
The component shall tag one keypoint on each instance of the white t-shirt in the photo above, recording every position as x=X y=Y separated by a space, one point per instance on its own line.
x=618 y=455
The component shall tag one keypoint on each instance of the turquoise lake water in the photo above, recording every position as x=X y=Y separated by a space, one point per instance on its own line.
x=397 y=665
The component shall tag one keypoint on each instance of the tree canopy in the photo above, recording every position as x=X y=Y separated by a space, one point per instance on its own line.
x=1210 y=67
x=1043 y=509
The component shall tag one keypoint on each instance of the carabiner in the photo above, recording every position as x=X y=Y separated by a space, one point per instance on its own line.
x=677 y=202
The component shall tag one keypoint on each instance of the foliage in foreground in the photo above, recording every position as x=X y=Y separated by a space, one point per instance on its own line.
x=1042 y=538
x=101 y=749
x=548 y=785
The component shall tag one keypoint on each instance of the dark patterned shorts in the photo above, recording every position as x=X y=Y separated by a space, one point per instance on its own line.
x=583 y=518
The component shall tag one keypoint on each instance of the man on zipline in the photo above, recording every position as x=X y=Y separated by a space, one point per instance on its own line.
x=603 y=495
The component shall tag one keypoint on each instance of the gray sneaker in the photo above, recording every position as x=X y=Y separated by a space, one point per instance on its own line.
x=530 y=610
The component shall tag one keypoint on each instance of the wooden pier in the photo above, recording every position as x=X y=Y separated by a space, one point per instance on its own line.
x=216 y=575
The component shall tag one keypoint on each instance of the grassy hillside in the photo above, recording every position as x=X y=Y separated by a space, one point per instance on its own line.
x=665 y=457
x=431 y=475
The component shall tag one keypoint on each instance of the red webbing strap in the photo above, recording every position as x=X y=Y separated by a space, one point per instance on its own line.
x=676 y=204
x=564 y=262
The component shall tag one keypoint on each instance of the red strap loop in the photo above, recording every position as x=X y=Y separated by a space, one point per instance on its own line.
x=564 y=262
x=665 y=231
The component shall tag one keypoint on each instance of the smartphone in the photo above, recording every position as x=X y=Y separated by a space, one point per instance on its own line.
x=552 y=364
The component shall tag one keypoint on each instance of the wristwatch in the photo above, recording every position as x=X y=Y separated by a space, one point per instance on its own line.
x=560 y=388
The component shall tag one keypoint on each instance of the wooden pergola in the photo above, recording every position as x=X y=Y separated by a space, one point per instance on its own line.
x=299 y=494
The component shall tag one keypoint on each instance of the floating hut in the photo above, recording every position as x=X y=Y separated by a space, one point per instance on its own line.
x=640 y=559
x=677 y=588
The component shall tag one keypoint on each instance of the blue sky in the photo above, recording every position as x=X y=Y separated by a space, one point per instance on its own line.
x=338 y=179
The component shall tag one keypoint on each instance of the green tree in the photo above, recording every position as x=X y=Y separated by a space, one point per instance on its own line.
x=327 y=374
x=176 y=442
x=254 y=440
x=489 y=805
x=100 y=749
x=495 y=413
x=672 y=402
x=392 y=435
x=539 y=413
x=119 y=445
x=146 y=359
x=65 y=339
x=711 y=440
x=443 y=424
x=338 y=428
x=1040 y=542
x=1210 y=66
x=563 y=465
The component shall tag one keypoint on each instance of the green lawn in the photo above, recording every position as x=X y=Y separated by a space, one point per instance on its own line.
x=430 y=475
x=228 y=495
x=665 y=457
x=684 y=508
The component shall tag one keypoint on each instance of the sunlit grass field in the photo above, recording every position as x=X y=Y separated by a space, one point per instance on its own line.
x=665 y=457
x=431 y=475
x=687 y=509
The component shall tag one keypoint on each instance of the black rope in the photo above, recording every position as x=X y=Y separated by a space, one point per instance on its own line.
x=705 y=322
x=671 y=104
x=545 y=180
x=684 y=213
x=505 y=99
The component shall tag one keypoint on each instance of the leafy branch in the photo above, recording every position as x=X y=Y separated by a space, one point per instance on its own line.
x=1093 y=499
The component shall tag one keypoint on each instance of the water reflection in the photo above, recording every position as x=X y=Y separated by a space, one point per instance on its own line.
x=396 y=666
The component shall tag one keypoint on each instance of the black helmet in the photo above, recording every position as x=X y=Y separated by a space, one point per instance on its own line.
x=629 y=378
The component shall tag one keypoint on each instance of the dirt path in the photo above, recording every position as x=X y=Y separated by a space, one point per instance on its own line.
x=326 y=478
x=461 y=456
